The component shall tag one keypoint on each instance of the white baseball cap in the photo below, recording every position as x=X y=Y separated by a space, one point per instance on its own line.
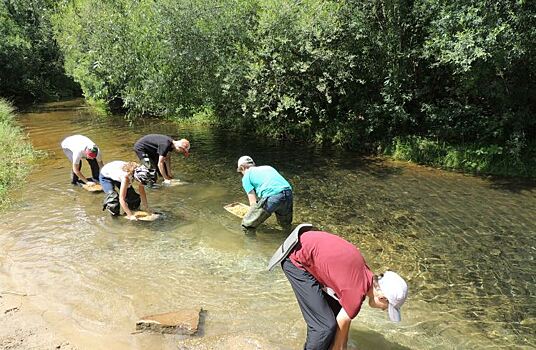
x=395 y=290
x=244 y=160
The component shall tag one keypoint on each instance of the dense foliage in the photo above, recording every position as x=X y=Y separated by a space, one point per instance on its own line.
x=352 y=73
x=31 y=65
x=486 y=159
x=17 y=153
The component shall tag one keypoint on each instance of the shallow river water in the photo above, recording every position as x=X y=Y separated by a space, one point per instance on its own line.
x=466 y=245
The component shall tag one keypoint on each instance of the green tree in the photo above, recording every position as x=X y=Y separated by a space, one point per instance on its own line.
x=351 y=73
x=31 y=65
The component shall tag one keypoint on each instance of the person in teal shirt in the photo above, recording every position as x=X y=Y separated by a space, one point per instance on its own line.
x=268 y=192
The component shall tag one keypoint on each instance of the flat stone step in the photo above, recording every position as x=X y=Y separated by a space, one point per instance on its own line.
x=184 y=322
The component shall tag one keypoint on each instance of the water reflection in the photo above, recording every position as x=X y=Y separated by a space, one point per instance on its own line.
x=467 y=245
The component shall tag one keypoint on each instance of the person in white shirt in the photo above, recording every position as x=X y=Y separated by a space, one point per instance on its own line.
x=78 y=147
x=121 y=175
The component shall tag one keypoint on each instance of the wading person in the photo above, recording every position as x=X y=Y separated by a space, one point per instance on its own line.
x=331 y=279
x=154 y=151
x=76 y=148
x=268 y=192
x=121 y=175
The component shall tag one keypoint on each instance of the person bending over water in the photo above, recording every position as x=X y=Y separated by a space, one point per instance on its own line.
x=154 y=150
x=331 y=280
x=121 y=175
x=268 y=192
x=76 y=148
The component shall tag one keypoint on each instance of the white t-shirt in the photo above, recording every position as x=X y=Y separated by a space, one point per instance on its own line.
x=114 y=170
x=77 y=144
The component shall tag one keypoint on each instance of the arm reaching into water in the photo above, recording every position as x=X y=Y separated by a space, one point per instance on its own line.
x=343 y=327
x=252 y=197
x=168 y=166
x=76 y=170
x=122 y=198
x=162 y=167
x=143 y=196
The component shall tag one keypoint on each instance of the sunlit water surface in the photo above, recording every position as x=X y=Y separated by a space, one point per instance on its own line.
x=465 y=244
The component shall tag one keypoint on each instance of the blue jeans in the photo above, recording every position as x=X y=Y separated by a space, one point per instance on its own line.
x=281 y=204
x=108 y=184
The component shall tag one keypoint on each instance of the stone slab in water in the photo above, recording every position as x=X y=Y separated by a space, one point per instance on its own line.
x=185 y=322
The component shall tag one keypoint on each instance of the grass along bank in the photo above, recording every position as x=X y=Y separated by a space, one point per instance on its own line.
x=515 y=161
x=17 y=153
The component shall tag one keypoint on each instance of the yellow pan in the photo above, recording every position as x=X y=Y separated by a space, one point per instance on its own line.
x=144 y=216
x=237 y=208
x=174 y=182
x=92 y=188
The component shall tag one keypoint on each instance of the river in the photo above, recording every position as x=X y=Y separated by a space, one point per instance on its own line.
x=465 y=244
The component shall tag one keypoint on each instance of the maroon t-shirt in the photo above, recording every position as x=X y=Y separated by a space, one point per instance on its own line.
x=336 y=264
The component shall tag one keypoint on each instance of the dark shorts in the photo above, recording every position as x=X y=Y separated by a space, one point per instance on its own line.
x=109 y=185
x=153 y=160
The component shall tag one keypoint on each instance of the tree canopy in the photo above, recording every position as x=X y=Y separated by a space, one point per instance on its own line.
x=341 y=72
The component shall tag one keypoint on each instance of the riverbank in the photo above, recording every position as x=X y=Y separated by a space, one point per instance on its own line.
x=492 y=160
x=23 y=327
x=17 y=153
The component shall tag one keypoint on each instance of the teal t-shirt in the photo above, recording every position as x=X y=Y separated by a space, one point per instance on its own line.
x=265 y=180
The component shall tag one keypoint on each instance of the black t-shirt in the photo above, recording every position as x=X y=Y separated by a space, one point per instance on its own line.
x=154 y=145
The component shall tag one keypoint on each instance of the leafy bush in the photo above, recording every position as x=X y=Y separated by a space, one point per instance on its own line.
x=17 y=153
x=480 y=159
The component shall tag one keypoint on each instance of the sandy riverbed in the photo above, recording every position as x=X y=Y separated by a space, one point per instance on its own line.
x=23 y=327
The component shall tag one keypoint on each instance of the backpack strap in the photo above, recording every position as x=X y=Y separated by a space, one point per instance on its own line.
x=284 y=249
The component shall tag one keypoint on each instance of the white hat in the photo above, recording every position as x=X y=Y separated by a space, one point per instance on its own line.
x=395 y=290
x=183 y=146
x=244 y=160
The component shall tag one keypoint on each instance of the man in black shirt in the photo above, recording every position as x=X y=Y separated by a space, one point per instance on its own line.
x=156 y=149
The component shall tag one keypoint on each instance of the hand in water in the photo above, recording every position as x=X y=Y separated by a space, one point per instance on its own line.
x=167 y=182
x=132 y=218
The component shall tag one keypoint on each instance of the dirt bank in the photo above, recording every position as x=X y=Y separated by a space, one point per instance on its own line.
x=22 y=327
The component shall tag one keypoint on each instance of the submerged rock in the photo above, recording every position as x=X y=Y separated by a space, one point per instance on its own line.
x=184 y=322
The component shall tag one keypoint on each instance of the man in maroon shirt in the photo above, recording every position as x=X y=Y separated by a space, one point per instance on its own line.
x=331 y=279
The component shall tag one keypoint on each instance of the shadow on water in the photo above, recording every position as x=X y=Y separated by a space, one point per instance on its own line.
x=61 y=106
x=294 y=159
x=512 y=185
x=369 y=340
